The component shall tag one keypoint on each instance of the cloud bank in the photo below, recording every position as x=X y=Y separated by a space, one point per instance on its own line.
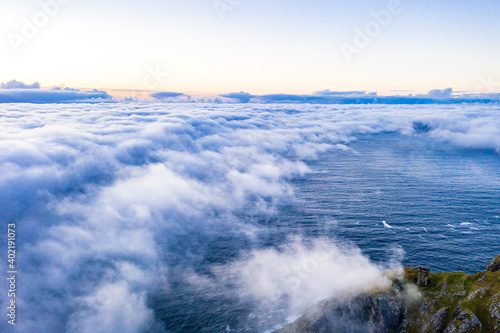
x=168 y=95
x=19 y=92
x=436 y=96
x=140 y=217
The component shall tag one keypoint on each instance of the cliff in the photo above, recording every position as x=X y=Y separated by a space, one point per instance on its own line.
x=441 y=302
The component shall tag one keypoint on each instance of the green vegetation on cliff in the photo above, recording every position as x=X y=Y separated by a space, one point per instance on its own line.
x=456 y=302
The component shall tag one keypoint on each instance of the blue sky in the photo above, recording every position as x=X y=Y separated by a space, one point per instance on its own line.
x=257 y=46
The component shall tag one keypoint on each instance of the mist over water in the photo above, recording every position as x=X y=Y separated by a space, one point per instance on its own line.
x=212 y=218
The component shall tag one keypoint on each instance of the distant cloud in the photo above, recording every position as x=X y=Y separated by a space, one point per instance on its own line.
x=13 y=84
x=436 y=96
x=19 y=92
x=440 y=93
x=242 y=97
x=330 y=93
x=165 y=95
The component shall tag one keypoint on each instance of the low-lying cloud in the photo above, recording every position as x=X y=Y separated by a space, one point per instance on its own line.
x=128 y=212
x=296 y=274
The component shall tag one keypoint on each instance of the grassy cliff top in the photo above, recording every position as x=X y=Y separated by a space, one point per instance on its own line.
x=456 y=300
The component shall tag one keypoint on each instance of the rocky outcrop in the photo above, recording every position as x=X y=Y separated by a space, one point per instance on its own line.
x=463 y=321
x=445 y=303
x=494 y=265
x=375 y=314
x=495 y=312
x=437 y=320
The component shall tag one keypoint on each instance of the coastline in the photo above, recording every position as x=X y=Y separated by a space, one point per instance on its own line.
x=449 y=302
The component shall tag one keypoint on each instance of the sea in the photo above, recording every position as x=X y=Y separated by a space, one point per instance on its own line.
x=200 y=217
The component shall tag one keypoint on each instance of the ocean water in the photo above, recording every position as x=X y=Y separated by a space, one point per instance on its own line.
x=389 y=194
x=137 y=217
x=440 y=203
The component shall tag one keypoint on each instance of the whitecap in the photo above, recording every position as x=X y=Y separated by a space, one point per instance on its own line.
x=387 y=225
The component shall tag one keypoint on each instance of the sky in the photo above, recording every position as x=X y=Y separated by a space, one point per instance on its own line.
x=261 y=47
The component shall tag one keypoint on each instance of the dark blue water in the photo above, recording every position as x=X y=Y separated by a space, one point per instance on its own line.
x=442 y=201
x=440 y=204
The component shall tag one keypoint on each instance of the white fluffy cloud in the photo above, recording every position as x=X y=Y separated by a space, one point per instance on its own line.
x=298 y=274
x=116 y=201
